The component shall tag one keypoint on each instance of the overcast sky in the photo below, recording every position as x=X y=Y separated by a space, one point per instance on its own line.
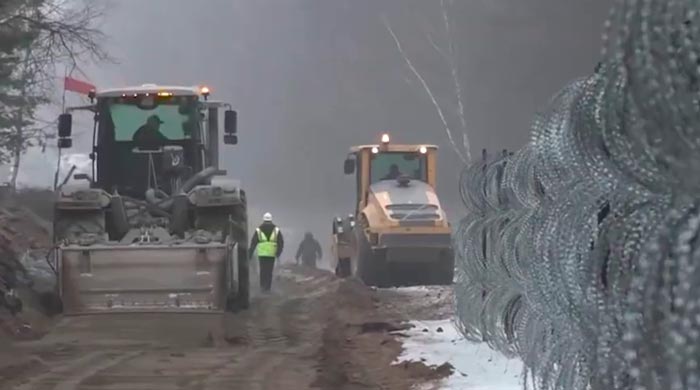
x=310 y=78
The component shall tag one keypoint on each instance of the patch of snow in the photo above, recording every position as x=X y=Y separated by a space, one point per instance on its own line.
x=289 y=274
x=419 y=290
x=302 y=279
x=412 y=289
x=82 y=163
x=476 y=366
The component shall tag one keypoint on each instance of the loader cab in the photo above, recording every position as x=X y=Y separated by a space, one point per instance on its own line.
x=385 y=161
x=124 y=163
x=155 y=136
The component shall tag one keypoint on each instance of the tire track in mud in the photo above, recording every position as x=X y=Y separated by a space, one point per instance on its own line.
x=273 y=355
x=69 y=375
x=282 y=333
x=295 y=338
x=262 y=341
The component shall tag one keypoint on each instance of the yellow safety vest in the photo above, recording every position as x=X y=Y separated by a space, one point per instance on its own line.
x=267 y=247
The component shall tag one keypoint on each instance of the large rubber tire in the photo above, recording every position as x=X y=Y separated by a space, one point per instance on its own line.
x=243 y=296
x=444 y=272
x=371 y=265
x=240 y=299
x=51 y=303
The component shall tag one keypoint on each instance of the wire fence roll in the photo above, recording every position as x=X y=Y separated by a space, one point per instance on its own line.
x=580 y=252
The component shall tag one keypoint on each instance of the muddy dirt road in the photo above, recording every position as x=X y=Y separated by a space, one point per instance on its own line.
x=313 y=331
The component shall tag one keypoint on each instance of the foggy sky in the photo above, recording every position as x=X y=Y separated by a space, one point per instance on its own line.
x=310 y=78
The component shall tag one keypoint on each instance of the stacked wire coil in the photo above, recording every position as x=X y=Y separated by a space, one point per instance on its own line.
x=580 y=252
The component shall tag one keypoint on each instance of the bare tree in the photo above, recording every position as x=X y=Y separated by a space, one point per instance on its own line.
x=448 y=52
x=51 y=33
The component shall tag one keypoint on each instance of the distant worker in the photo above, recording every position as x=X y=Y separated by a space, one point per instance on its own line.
x=269 y=243
x=393 y=174
x=344 y=245
x=148 y=136
x=309 y=251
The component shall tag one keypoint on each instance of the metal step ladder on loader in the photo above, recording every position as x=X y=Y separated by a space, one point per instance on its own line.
x=158 y=226
x=403 y=237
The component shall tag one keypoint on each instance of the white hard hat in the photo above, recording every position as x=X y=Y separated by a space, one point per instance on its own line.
x=267 y=217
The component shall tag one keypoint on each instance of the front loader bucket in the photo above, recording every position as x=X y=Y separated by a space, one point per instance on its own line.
x=103 y=278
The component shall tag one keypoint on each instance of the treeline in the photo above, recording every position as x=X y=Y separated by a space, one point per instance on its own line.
x=36 y=38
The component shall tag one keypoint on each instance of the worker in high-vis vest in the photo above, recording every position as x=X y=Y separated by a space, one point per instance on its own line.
x=268 y=242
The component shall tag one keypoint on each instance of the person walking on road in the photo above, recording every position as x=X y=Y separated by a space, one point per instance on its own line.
x=309 y=251
x=344 y=245
x=269 y=243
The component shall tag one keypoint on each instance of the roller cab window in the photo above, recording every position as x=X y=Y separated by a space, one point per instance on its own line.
x=391 y=165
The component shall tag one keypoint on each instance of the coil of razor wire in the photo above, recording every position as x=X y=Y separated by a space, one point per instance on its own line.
x=580 y=253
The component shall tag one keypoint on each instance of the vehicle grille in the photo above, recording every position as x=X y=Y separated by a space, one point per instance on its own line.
x=414 y=212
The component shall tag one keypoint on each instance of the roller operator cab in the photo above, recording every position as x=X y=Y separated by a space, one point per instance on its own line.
x=157 y=226
x=403 y=235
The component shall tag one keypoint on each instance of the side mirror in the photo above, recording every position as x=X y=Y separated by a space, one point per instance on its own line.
x=349 y=166
x=65 y=143
x=230 y=139
x=65 y=125
x=230 y=122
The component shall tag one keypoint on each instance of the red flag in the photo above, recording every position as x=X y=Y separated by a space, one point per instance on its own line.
x=71 y=84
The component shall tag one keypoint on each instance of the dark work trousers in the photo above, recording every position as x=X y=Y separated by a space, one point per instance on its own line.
x=309 y=262
x=267 y=264
x=343 y=269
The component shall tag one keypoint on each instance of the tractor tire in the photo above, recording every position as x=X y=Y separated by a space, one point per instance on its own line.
x=240 y=299
x=51 y=303
x=243 y=278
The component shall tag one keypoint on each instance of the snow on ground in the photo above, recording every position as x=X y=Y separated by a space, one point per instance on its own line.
x=476 y=366
x=420 y=302
x=289 y=274
x=412 y=289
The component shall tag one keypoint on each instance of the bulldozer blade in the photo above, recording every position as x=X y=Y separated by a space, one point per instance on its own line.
x=148 y=278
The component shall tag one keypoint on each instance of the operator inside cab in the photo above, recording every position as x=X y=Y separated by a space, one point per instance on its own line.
x=393 y=174
x=393 y=165
x=148 y=136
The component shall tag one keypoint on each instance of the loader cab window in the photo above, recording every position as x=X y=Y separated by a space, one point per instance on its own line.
x=176 y=115
x=390 y=165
